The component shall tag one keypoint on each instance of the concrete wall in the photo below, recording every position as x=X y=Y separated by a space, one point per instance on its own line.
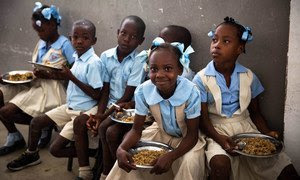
x=292 y=104
x=266 y=55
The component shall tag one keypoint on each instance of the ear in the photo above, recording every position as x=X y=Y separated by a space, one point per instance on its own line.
x=241 y=48
x=95 y=40
x=141 y=40
x=118 y=31
x=70 y=37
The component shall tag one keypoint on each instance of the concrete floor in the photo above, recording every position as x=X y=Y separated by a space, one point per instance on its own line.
x=50 y=167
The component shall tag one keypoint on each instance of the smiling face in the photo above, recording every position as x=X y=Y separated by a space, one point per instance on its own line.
x=129 y=37
x=164 y=69
x=82 y=38
x=225 y=46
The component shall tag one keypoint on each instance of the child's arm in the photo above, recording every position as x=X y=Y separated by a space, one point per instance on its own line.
x=206 y=127
x=164 y=163
x=128 y=94
x=132 y=137
x=258 y=119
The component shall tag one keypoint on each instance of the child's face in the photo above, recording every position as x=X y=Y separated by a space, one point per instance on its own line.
x=46 y=30
x=82 y=39
x=164 y=70
x=129 y=37
x=225 y=46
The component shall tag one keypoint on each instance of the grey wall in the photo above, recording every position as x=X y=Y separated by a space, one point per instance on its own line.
x=266 y=55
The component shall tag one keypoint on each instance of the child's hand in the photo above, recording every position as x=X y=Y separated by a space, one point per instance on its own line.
x=162 y=164
x=91 y=123
x=227 y=144
x=125 y=160
x=126 y=105
x=274 y=134
x=66 y=73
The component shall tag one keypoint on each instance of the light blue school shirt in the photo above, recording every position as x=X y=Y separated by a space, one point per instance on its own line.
x=62 y=43
x=89 y=70
x=119 y=75
x=230 y=96
x=186 y=92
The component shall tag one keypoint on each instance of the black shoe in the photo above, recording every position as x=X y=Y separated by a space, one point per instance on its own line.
x=25 y=160
x=8 y=149
x=43 y=142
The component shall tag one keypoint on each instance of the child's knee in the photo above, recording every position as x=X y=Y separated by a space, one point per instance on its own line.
x=37 y=123
x=103 y=128
x=80 y=124
x=220 y=164
x=112 y=134
x=6 y=111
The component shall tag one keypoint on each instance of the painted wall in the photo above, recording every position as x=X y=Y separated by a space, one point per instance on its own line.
x=292 y=103
x=266 y=55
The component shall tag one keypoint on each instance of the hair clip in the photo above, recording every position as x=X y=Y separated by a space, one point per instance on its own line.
x=211 y=34
x=38 y=23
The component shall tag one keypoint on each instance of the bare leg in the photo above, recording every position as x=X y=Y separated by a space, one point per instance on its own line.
x=220 y=167
x=1 y=99
x=35 y=130
x=81 y=140
x=289 y=173
x=105 y=148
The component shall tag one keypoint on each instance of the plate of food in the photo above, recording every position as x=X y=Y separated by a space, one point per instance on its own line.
x=257 y=145
x=18 y=77
x=43 y=66
x=126 y=116
x=146 y=152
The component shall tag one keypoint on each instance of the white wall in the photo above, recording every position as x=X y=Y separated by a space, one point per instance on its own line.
x=292 y=104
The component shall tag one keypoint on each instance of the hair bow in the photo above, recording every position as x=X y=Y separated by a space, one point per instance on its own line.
x=247 y=36
x=48 y=12
x=184 y=59
x=143 y=57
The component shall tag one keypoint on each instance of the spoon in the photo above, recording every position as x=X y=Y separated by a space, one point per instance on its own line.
x=241 y=145
x=126 y=110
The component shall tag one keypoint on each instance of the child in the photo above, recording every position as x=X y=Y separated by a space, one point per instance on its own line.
x=229 y=95
x=123 y=74
x=45 y=92
x=174 y=102
x=83 y=93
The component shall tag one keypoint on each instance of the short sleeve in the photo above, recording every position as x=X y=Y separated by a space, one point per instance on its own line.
x=137 y=75
x=197 y=80
x=68 y=51
x=256 y=87
x=103 y=59
x=141 y=107
x=94 y=74
x=193 y=107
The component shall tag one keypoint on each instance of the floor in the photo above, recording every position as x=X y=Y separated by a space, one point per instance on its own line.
x=50 y=167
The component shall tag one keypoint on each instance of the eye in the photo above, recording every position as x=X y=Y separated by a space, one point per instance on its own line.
x=153 y=69
x=226 y=41
x=134 y=37
x=168 y=69
x=214 y=40
x=122 y=33
x=75 y=37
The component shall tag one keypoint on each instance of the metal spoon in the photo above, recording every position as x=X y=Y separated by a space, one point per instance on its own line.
x=126 y=110
x=241 y=145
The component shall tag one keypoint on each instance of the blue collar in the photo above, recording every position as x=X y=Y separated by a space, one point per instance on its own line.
x=180 y=96
x=211 y=71
x=113 y=53
x=85 y=56
x=56 y=45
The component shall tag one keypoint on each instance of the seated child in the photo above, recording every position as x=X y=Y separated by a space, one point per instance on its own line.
x=229 y=95
x=123 y=74
x=174 y=102
x=83 y=93
x=20 y=103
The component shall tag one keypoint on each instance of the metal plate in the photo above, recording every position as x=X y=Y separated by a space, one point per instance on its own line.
x=41 y=66
x=149 y=145
x=113 y=116
x=278 y=144
x=5 y=77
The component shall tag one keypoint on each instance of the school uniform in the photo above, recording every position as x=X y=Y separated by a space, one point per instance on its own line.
x=89 y=70
x=129 y=72
x=170 y=128
x=228 y=113
x=42 y=95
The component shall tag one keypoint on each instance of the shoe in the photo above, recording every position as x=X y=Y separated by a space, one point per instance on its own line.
x=8 y=149
x=25 y=160
x=43 y=142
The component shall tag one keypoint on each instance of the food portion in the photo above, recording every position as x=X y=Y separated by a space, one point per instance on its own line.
x=147 y=157
x=20 y=77
x=258 y=146
x=122 y=116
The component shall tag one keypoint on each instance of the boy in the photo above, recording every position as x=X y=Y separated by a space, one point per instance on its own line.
x=84 y=89
x=123 y=74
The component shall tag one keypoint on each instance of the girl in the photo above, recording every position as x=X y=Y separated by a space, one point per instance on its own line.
x=229 y=93
x=45 y=92
x=175 y=104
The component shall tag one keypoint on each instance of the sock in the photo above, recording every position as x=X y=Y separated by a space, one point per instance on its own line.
x=31 y=152
x=12 y=138
x=103 y=176
x=85 y=172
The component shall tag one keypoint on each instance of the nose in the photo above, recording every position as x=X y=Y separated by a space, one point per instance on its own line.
x=159 y=74
x=216 y=45
x=127 y=38
x=79 y=41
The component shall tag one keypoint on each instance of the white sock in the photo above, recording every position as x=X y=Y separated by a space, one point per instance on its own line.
x=12 y=138
x=103 y=176
x=85 y=172
x=31 y=152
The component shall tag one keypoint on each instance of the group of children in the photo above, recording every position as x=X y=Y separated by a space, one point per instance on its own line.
x=195 y=115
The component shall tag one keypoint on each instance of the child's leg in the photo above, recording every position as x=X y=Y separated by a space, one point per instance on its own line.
x=220 y=167
x=1 y=99
x=105 y=148
x=289 y=172
x=59 y=147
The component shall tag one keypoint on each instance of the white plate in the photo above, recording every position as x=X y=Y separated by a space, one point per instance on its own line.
x=112 y=116
x=149 y=145
x=5 y=77
x=37 y=65
x=278 y=144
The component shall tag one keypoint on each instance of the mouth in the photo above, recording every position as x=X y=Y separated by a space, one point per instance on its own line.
x=122 y=46
x=215 y=54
